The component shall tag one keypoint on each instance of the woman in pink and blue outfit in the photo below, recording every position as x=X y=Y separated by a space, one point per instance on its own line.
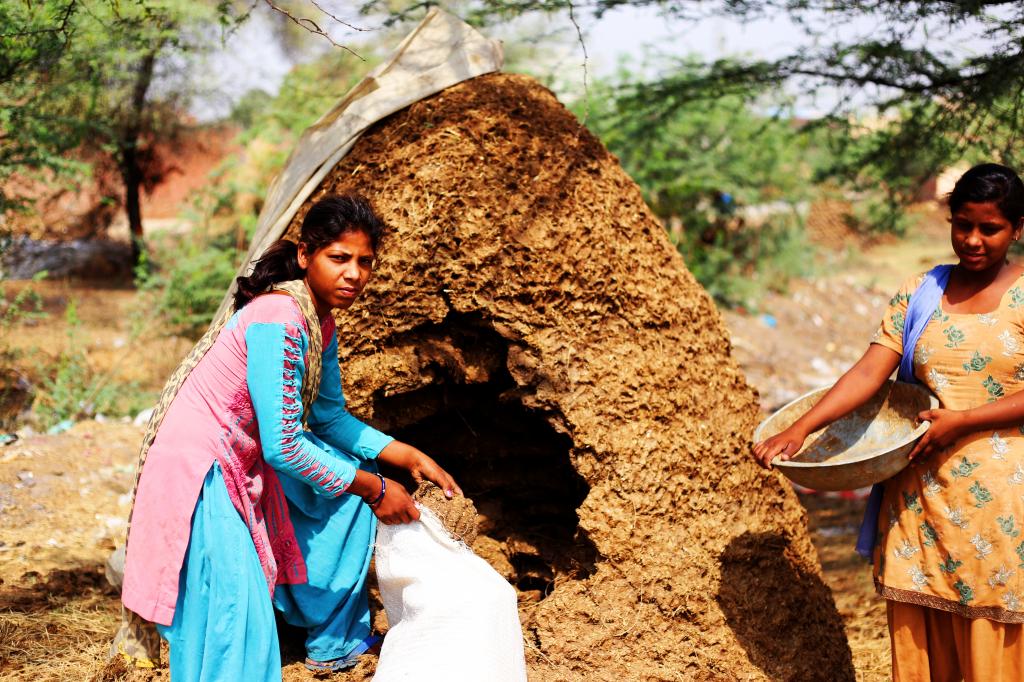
x=239 y=508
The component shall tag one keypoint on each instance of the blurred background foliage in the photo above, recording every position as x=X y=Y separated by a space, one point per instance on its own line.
x=732 y=177
x=718 y=146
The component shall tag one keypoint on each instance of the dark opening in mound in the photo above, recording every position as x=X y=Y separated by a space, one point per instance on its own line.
x=509 y=460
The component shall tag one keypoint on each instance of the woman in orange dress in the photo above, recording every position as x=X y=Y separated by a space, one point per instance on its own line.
x=949 y=558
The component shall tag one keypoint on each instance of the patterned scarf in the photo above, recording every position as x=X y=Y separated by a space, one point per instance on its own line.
x=923 y=303
x=137 y=639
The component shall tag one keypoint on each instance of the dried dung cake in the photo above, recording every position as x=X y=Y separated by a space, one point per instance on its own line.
x=457 y=515
x=532 y=328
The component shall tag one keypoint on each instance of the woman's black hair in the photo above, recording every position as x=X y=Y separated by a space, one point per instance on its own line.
x=325 y=222
x=990 y=183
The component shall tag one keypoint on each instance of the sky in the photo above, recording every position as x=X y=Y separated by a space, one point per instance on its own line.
x=251 y=59
x=625 y=31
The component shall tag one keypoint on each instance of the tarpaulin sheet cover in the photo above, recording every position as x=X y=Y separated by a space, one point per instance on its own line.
x=442 y=51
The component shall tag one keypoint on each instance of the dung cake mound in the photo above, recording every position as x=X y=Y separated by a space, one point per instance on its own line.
x=531 y=327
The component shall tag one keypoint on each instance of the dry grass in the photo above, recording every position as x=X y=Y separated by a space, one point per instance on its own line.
x=58 y=628
x=124 y=342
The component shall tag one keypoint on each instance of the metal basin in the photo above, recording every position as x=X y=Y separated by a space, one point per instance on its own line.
x=866 y=446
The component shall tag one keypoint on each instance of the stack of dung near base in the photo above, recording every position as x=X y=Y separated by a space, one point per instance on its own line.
x=531 y=327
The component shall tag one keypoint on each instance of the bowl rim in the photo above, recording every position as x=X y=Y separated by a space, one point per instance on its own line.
x=933 y=403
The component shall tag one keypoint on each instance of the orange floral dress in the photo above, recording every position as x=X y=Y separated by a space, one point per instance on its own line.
x=951 y=527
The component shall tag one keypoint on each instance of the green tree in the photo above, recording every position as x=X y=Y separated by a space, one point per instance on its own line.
x=742 y=143
x=730 y=176
x=76 y=72
x=190 y=285
x=38 y=121
x=908 y=99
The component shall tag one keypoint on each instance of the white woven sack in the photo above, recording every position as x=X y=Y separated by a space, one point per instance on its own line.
x=451 y=616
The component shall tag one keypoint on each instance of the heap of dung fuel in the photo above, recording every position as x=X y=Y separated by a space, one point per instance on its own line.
x=531 y=327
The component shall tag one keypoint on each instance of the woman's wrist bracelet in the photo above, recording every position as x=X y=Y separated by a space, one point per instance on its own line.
x=383 y=489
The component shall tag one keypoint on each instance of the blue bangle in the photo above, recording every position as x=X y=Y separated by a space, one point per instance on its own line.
x=383 y=489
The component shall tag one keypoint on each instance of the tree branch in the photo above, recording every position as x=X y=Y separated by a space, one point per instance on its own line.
x=336 y=19
x=59 y=29
x=311 y=26
x=586 y=60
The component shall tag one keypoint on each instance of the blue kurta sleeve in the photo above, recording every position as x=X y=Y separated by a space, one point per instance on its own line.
x=329 y=419
x=274 y=372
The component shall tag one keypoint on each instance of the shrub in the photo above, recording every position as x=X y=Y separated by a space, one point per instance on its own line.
x=73 y=390
x=736 y=266
x=188 y=290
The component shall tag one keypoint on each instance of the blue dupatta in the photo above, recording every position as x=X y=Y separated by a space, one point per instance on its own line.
x=922 y=305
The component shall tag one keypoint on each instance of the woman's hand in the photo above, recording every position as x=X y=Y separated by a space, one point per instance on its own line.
x=947 y=426
x=425 y=468
x=420 y=466
x=397 y=505
x=782 y=445
x=851 y=391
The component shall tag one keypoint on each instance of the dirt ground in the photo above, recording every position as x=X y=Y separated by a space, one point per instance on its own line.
x=63 y=498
